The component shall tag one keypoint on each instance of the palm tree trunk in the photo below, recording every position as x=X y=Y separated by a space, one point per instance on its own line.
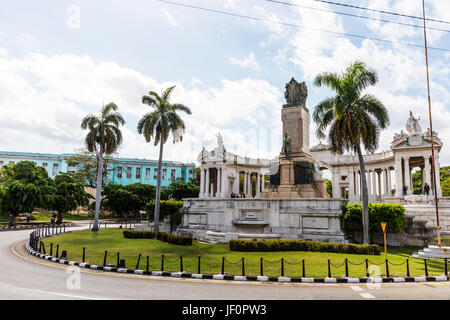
x=158 y=188
x=365 y=197
x=98 y=195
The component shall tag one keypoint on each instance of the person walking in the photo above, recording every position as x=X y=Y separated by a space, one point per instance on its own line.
x=52 y=219
x=28 y=217
x=426 y=189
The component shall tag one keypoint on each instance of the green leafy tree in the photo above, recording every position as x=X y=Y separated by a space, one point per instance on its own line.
x=417 y=182
x=7 y=174
x=444 y=174
x=104 y=137
x=354 y=118
x=69 y=194
x=120 y=200
x=196 y=179
x=157 y=125
x=179 y=190
x=30 y=188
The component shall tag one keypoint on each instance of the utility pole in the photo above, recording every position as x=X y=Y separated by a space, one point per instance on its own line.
x=433 y=167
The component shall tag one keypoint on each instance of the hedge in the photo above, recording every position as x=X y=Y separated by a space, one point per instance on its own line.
x=303 y=245
x=163 y=236
x=393 y=214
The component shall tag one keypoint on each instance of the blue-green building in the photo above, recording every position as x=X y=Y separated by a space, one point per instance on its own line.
x=122 y=170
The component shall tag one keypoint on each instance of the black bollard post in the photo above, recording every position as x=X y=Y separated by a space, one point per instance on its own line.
x=223 y=265
x=387 y=268
x=43 y=247
x=181 y=263
x=118 y=260
x=329 y=269
x=407 y=268
x=138 y=261
x=57 y=250
x=367 y=268
x=346 y=267
x=146 y=267
x=104 y=258
x=64 y=228
x=198 y=270
x=40 y=247
x=162 y=262
x=243 y=267
x=261 y=266
x=84 y=254
x=51 y=248
x=426 y=267
x=445 y=267
x=303 y=268
x=282 y=267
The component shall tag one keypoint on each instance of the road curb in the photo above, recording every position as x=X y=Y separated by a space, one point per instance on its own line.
x=86 y=265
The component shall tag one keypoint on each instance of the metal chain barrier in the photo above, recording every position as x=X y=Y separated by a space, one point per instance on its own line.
x=356 y=264
x=293 y=264
x=268 y=261
x=397 y=264
x=337 y=266
x=377 y=264
x=233 y=262
x=171 y=261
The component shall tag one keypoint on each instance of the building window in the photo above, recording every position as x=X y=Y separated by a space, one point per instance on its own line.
x=172 y=175
x=147 y=173
x=164 y=174
x=155 y=174
x=138 y=173
x=191 y=172
x=1 y=164
x=71 y=168
x=119 y=172
x=55 y=169
x=44 y=165
x=128 y=172
x=182 y=175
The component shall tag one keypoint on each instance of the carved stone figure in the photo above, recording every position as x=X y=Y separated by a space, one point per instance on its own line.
x=295 y=93
x=287 y=141
x=412 y=125
x=219 y=141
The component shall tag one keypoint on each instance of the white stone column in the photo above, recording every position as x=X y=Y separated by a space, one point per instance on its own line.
x=202 y=182
x=438 y=180
x=219 y=182
x=249 y=183
x=224 y=189
x=263 y=181
x=407 y=175
x=351 y=184
x=207 y=185
x=398 y=178
x=335 y=183
x=374 y=183
x=244 y=183
x=389 y=185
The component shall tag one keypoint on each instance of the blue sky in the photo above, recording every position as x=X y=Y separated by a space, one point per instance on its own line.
x=62 y=60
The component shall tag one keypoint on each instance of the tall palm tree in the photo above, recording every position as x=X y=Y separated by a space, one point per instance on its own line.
x=353 y=118
x=156 y=125
x=104 y=137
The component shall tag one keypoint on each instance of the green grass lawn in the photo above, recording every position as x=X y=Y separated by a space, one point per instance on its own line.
x=113 y=241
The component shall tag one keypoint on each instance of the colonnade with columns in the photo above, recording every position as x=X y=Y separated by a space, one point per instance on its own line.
x=220 y=181
x=379 y=183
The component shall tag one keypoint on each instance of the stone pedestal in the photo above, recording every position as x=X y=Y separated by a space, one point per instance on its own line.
x=296 y=126
x=322 y=187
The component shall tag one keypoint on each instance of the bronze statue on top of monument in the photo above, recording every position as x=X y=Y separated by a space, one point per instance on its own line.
x=295 y=94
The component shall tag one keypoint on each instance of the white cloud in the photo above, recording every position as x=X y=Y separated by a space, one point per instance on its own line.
x=43 y=99
x=249 y=61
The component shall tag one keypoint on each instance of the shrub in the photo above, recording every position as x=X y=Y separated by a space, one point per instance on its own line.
x=163 y=236
x=393 y=214
x=303 y=245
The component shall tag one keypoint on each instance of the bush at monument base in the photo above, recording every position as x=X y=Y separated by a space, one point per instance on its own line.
x=303 y=245
x=393 y=214
x=163 y=236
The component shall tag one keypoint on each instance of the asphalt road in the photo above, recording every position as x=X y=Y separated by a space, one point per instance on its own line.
x=26 y=277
